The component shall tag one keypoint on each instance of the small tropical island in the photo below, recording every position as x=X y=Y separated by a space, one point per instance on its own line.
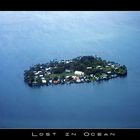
x=82 y=69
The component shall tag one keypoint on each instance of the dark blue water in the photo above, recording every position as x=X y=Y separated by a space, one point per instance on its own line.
x=27 y=38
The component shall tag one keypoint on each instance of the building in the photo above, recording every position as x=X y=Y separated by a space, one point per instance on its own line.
x=67 y=61
x=91 y=75
x=109 y=72
x=50 y=81
x=104 y=76
x=80 y=73
x=41 y=75
x=47 y=69
x=67 y=70
x=98 y=67
x=89 y=68
x=36 y=73
x=67 y=77
x=44 y=81
x=74 y=77
x=56 y=81
x=78 y=80
x=112 y=66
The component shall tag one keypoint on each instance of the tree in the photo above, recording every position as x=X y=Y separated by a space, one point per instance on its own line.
x=55 y=78
x=58 y=70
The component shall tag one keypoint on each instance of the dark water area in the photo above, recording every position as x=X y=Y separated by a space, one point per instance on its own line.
x=28 y=38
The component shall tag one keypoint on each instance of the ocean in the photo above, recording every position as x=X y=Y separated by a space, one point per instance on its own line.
x=28 y=38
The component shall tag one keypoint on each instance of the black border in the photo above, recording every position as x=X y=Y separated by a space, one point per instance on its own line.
x=45 y=133
x=69 y=5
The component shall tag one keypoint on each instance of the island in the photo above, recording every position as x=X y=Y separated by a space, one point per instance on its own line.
x=82 y=69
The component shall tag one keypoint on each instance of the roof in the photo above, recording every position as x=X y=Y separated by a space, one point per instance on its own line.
x=79 y=73
x=44 y=81
x=109 y=72
x=67 y=70
x=89 y=67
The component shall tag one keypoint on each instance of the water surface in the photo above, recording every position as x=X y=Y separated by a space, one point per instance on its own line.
x=28 y=38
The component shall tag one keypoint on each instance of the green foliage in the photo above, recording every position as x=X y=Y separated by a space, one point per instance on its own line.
x=58 y=70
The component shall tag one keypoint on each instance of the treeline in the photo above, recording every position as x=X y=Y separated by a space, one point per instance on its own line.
x=79 y=63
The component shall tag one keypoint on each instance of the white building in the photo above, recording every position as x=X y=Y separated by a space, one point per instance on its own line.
x=91 y=75
x=67 y=70
x=78 y=80
x=44 y=81
x=48 y=73
x=67 y=61
x=74 y=77
x=98 y=67
x=67 y=77
x=50 y=81
x=36 y=73
x=47 y=69
x=80 y=73
x=112 y=66
x=89 y=68
x=109 y=72
x=104 y=76
x=41 y=75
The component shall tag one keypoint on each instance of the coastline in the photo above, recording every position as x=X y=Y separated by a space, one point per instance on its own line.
x=82 y=69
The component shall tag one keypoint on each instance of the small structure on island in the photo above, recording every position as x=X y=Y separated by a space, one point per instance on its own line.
x=97 y=67
x=89 y=68
x=79 y=73
x=68 y=71
x=44 y=81
x=109 y=72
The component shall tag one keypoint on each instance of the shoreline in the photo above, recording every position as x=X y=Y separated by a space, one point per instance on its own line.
x=83 y=69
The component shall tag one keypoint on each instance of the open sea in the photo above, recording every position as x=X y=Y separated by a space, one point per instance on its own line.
x=28 y=38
